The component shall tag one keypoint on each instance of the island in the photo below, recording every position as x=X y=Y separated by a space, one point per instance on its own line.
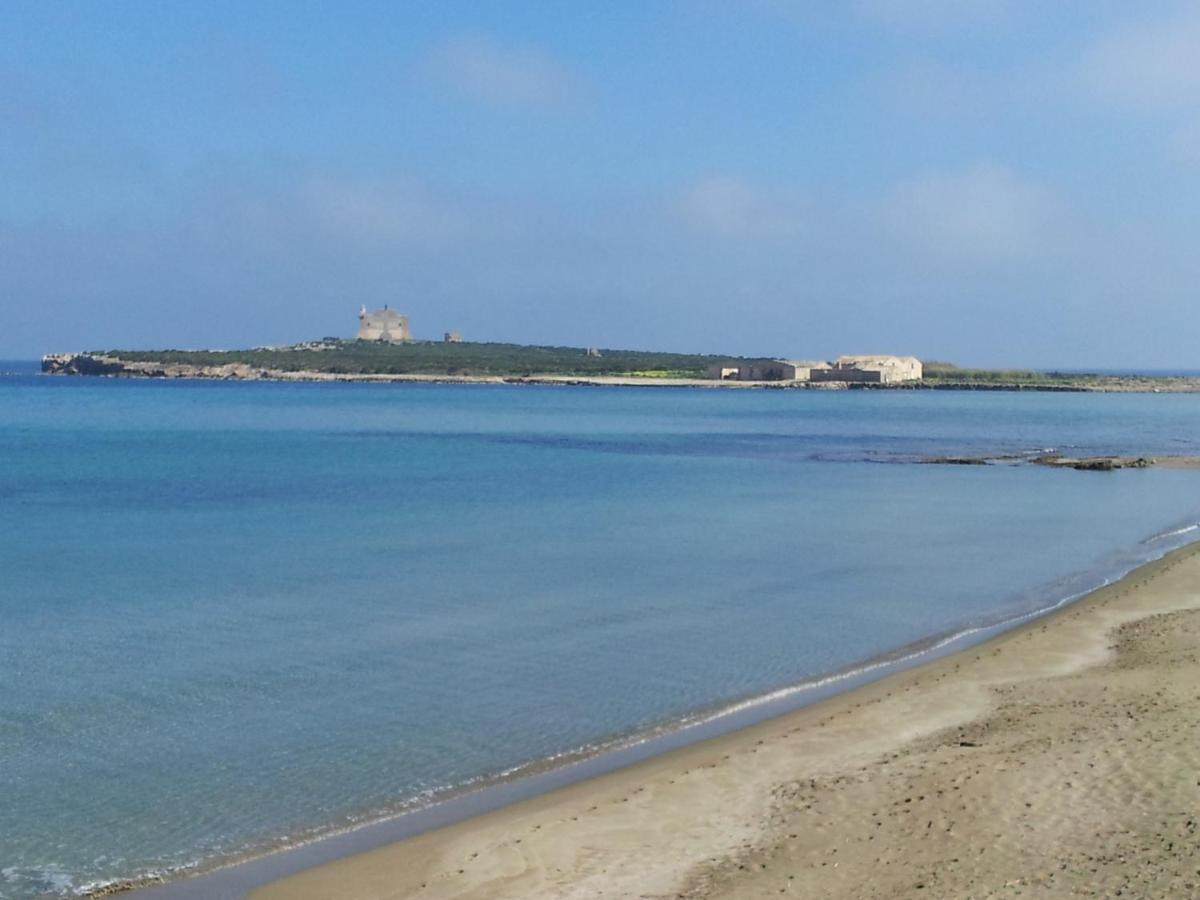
x=455 y=360
x=385 y=349
x=335 y=359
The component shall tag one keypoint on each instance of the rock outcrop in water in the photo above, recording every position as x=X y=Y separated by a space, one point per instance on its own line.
x=1080 y=464
x=1099 y=463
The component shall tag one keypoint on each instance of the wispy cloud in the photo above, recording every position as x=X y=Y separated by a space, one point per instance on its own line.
x=980 y=213
x=510 y=76
x=382 y=211
x=1147 y=66
x=722 y=205
x=734 y=208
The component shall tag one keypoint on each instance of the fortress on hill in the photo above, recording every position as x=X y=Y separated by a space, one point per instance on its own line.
x=383 y=325
x=391 y=327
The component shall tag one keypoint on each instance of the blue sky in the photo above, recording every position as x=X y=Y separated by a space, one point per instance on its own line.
x=987 y=181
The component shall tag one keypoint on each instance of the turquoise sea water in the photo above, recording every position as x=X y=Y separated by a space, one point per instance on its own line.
x=235 y=614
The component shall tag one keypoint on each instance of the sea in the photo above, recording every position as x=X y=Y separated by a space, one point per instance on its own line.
x=237 y=616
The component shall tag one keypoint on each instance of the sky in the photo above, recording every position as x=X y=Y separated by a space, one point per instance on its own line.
x=988 y=182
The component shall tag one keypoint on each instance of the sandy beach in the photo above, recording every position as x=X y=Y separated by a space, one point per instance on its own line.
x=1060 y=759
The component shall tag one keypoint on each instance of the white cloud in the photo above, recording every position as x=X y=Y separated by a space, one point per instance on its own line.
x=727 y=206
x=504 y=75
x=1148 y=66
x=722 y=204
x=980 y=213
x=381 y=211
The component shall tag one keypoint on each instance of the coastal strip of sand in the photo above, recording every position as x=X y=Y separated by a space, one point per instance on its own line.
x=1060 y=758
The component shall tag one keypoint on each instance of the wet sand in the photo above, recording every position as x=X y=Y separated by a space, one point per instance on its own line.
x=1060 y=759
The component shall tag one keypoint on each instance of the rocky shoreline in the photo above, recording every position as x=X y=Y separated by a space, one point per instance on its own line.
x=102 y=365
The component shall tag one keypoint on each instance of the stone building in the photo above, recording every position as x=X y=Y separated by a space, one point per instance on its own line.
x=774 y=370
x=383 y=325
x=871 y=370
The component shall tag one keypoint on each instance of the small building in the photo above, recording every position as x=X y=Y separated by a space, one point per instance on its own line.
x=802 y=369
x=871 y=370
x=722 y=372
x=771 y=370
x=383 y=325
x=452 y=337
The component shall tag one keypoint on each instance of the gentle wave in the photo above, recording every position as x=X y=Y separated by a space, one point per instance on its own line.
x=1187 y=529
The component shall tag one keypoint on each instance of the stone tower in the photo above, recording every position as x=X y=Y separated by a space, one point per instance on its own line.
x=383 y=325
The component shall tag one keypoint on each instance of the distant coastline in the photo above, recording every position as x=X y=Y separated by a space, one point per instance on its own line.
x=484 y=363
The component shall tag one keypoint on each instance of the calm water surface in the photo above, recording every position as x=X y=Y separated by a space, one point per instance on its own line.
x=234 y=613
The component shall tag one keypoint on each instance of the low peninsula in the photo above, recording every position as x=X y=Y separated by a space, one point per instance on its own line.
x=410 y=360
x=460 y=361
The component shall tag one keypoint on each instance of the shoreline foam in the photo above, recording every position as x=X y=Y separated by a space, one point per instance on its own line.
x=537 y=778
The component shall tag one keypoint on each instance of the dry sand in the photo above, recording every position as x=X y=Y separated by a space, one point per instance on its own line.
x=1058 y=760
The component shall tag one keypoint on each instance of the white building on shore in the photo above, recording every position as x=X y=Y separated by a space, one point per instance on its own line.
x=871 y=369
x=771 y=370
x=845 y=369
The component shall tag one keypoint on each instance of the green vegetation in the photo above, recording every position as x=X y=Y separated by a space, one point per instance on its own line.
x=436 y=358
x=940 y=374
x=947 y=372
x=660 y=373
